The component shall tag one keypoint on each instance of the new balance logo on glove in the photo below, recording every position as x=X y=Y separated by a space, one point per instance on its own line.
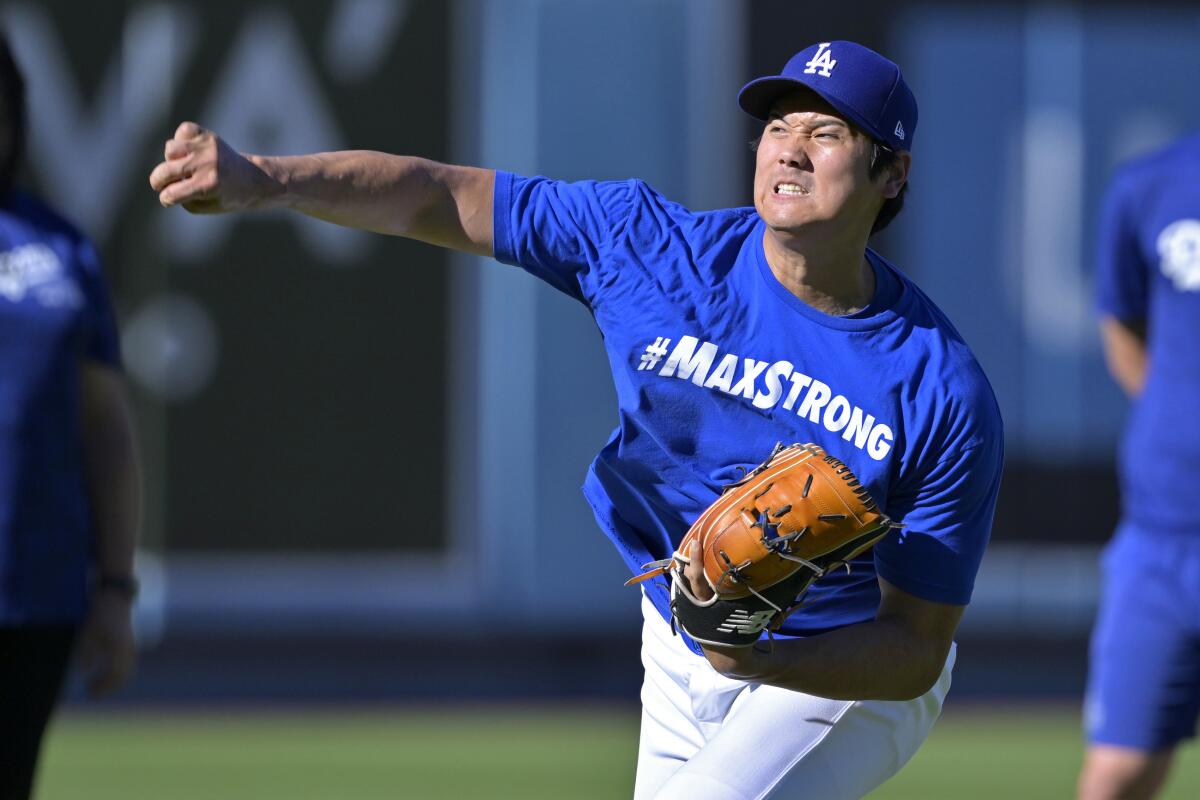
x=745 y=622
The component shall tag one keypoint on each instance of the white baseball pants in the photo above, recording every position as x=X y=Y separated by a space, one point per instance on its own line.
x=708 y=737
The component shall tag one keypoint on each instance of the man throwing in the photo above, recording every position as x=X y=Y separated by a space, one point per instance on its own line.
x=727 y=332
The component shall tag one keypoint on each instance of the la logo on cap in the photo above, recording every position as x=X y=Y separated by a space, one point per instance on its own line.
x=821 y=63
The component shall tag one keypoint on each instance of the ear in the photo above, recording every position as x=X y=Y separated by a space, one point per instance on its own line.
x=896 y=175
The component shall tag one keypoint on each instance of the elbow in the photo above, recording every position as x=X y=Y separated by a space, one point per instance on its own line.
x=902 y=692
x=913 y=689
x=923 y=676
x=110 y=441
x=741 y=663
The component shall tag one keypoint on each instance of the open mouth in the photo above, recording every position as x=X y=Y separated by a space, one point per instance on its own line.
x=790 y=190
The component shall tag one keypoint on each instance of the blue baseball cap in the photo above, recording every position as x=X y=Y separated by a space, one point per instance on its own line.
x=861 y=84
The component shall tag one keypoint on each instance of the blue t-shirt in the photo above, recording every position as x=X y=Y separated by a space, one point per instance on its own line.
x=715 y=362
x=54 y=314
x=1148 y=269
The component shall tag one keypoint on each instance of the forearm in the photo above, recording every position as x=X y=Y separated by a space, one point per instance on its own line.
x=110 y=469
x=878 y=660
x=1130 y=374
x=390 y=194
x=896 y=656
x=442 y=204
x=1125 y=353
x=107 y=650
x=114 y=490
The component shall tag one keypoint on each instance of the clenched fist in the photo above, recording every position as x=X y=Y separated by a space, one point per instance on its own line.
x=205 y=175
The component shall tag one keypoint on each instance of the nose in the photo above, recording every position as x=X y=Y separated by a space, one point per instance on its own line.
x=794 y=154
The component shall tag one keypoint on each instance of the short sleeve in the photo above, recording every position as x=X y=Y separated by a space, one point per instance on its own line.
x=1121 y=273
x=947 y=518
x=559 y=232
x=102 y=343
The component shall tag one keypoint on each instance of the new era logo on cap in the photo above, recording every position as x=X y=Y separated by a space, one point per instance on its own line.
x=866 y=88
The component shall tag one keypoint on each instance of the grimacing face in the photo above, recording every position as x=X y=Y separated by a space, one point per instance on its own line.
x=812 y=168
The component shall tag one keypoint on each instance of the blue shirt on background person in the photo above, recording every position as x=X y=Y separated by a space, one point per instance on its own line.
x=1148 y=271
x=1143 y=692
x=54 y=311
x=70 y=488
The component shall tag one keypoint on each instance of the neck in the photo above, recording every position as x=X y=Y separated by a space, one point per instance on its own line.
x=836 y=280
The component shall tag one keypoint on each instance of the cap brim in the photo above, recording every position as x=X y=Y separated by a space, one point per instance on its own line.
x=758 y=96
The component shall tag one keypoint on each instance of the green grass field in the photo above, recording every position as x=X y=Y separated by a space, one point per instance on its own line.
x=565 y=753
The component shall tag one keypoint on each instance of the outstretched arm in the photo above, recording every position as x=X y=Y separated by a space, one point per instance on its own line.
x=442 y=204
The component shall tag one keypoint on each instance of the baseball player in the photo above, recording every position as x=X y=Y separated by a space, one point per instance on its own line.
x=1144 y=683
x=729 y=331
x=69 y=488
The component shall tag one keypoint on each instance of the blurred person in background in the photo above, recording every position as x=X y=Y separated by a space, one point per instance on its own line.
x=1144 y=682
x=69 y=482
x=815 y=715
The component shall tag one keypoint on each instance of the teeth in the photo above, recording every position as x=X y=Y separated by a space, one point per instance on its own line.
x=789 y=188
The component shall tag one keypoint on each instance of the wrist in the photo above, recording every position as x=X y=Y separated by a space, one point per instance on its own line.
x=740 y=663
x=113 y=584
x=270 y=186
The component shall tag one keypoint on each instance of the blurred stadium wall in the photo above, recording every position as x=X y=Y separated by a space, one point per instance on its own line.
x=307 y=396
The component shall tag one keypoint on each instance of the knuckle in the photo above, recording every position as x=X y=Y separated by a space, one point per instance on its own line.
x=186 y=130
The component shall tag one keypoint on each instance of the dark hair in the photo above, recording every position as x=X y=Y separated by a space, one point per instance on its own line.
x=881 y=159
x=12 y=116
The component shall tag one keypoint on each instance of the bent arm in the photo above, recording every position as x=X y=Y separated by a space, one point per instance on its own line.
x=1125 y=352
x=896 y=656
x=442 y=204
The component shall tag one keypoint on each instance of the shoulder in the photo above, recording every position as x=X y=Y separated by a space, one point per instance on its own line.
x=727 y=219
x=1145 y=172
x=624 y=199
x=651 y=217
x=36 y=213
x=35 y=220
x=962 y=401
x=39 y=231
x=645 y=196
x=949 y=382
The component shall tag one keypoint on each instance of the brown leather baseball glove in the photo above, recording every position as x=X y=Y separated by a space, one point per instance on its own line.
x=789 y=521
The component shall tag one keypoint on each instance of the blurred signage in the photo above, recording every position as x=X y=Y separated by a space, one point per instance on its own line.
x=289 y=374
